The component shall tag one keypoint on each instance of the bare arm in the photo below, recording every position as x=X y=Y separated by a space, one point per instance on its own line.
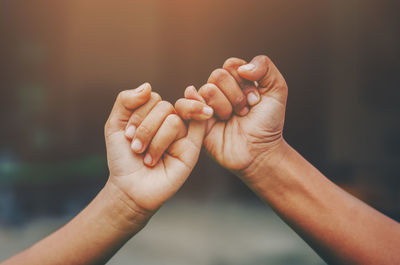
x=338 y=226
x=92 y=237
x=150 y=154
x=246 y=138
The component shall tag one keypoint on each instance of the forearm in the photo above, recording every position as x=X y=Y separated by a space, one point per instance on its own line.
x=341 y=228
x=92 y=237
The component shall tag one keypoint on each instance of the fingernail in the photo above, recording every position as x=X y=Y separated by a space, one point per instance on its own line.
x=130 y=131
x=244 y=111
x=247 y=67
x=137 y=145
x=141 y=88
x=252 y=98
x=208 y=111
x=147 y=159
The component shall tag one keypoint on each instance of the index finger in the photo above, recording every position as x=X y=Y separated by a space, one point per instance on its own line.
x=249 y=89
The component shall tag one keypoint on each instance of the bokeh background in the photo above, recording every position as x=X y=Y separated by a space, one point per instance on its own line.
x=62 y=64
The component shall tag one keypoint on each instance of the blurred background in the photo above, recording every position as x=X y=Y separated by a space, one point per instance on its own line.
x=62 y=64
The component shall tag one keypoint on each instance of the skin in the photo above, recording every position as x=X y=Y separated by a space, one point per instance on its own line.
x=245 y=137
x=134 y=190
x=339 y=227
x=235 y=140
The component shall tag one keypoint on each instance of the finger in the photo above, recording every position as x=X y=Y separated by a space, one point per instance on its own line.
x=189 y=109
x=172 y=129
x=196 y=132
x=262 y=70
x=228 y=85
x=191 y=93
x=231 y=65
x=139 y=114
x=248 y=87
x=150 y=125
x=124 y=105
x=252 y=95
x=216 y=100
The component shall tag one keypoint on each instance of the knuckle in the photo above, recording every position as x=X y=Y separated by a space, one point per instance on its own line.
x=232 y=62
x=202 y=91
x=136 y=119
x=180 y=103
x=284 y=88
x=143 y=132
x=129 y=99
x=173 y=121
x=264 y=59
x=155 y=96
x=121 y=95
x=208 y=91
x=166 y=106
x=184 y=108
x=106 y=127
x=218 y=75
x=239 y=100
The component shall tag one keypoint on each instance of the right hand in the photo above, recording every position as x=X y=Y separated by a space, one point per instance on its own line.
x=243 y=132
x=150 y=150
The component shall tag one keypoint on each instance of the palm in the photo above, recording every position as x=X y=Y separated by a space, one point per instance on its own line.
x=236 y=142
x=148 y=187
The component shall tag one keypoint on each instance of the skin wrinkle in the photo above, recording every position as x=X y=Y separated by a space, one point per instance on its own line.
x=340 y=228
x=136 y=211
x=139 y=210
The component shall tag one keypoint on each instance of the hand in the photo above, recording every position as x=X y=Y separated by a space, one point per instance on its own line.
x=243 y=131
x=171 y=149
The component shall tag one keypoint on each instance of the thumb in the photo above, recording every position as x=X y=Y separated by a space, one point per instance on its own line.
x=262 y=70
x=187 y=149
x=126 y=102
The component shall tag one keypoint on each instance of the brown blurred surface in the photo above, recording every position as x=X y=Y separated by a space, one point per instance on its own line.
x=63 y=62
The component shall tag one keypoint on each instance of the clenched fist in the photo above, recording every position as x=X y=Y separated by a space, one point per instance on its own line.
x=150 y=151
x=249 y=101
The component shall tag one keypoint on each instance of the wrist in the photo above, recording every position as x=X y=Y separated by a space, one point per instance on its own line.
x=265 y=164
x=121 y=212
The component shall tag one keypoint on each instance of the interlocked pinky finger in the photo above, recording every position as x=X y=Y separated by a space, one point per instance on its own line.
x=172 y=129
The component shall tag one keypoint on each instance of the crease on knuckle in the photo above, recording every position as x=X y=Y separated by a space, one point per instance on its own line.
x=135 y=119
x=143 y=132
